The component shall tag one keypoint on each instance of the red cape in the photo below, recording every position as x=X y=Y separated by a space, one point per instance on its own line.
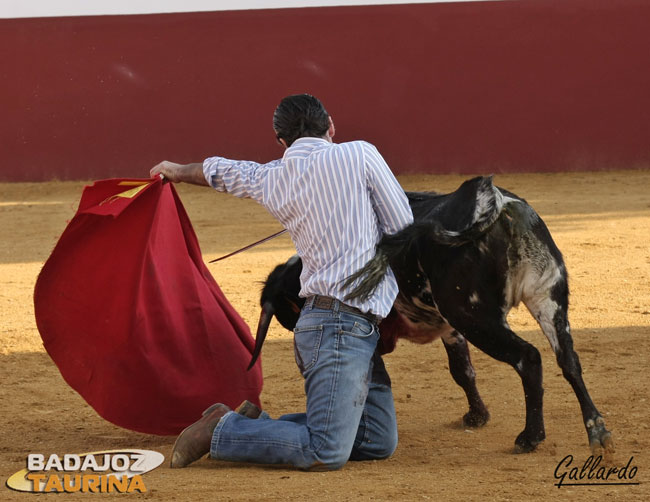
x=132 y=317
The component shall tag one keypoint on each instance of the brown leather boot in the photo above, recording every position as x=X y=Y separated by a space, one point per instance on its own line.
x=249 y=410
x=194 y=441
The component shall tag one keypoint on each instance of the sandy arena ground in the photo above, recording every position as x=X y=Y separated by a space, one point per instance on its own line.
x=600 y=221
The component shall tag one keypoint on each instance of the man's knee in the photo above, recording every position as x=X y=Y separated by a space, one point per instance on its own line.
x=389 y=447
x=376 y=450
x=386 y=447
x=369 y=450
x=330 y=462
x=327 y=466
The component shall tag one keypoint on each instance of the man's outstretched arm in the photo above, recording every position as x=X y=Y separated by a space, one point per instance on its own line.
x=186 y=173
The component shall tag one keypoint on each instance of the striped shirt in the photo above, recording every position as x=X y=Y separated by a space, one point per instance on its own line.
x=336 y=201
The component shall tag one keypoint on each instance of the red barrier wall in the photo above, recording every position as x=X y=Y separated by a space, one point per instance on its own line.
x=463 y=87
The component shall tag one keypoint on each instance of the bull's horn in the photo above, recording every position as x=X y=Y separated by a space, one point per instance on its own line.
x=262 y=328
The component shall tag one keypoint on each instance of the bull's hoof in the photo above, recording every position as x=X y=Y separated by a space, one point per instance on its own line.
x=474 y=418
x=599 y=437
x=525 y=444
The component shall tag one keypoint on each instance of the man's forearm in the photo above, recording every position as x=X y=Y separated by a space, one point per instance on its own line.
x=186 y=173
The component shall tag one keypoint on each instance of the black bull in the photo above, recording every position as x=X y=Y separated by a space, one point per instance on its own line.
x=467 y=260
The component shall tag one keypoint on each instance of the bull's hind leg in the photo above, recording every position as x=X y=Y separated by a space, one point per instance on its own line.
x=551 y=314
x=501 y=343
x=462 y=371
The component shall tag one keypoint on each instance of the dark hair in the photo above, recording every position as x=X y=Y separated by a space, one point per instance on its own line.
x=299 y=116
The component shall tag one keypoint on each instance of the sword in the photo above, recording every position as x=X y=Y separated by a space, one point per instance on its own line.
x=262 y=241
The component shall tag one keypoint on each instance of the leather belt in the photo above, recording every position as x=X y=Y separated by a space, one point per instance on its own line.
x=329 y=303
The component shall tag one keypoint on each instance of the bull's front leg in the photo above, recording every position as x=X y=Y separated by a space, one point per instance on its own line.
x=462 y=371
x=498 y=341
x=551 y=313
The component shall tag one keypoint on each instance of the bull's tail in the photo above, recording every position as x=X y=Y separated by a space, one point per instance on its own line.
x=488 y=203
x=371 y=274
x=390 y=248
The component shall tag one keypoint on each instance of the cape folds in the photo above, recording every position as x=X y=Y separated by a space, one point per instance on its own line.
x=133 y=318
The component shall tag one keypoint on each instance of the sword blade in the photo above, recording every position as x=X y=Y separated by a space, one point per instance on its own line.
x=262 y=241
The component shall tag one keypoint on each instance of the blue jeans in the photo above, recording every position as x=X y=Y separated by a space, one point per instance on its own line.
x=350 y=410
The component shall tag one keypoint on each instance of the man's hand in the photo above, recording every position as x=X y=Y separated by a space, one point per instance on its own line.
x=188 y=173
